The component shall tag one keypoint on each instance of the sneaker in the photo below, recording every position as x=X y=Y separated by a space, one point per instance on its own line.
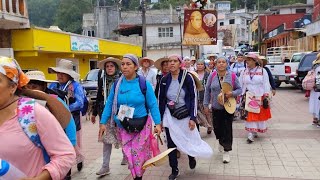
x=174 y=174
x=192 y=163
x=124 y=161
x=250 y=138
x=80 y=166
x=226 y=157
x=220 y=148
x=103 y=171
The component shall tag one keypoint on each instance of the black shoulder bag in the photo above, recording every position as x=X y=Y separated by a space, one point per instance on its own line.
x=180 y=112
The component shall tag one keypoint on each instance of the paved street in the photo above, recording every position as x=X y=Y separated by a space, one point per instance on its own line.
x=290 y=149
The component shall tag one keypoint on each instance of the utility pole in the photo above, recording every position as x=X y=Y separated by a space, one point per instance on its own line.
x=144 y=32
x=178 y=9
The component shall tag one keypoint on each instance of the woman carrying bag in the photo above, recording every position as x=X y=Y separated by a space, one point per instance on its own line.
x=109 y=73
x=178 y=109
x=222 y=119
x=256 y=88
x=130 y=99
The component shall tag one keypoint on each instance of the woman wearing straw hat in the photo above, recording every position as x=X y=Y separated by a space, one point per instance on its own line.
x=128 y=105
x=178 y=92
x=75 y=93
x=108 y=74
x=222 y=118
x=255 y=81
x=162 y=65
x=40 y=83
x=203 y=77
x=146 y=71
x=32 y=138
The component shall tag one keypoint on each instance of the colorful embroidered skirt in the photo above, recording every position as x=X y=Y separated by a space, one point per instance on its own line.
x=257 y=122
x=136 y=147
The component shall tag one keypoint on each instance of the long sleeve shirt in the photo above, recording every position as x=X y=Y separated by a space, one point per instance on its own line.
x=20 y=151
x=255 y=81
x=74 y=90
x=150 y=76
x=213 y=89
x=130 y=94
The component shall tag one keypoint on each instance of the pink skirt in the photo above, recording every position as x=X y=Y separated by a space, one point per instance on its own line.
x=136 y=147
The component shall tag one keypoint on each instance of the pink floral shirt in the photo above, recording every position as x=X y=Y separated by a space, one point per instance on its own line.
x=20 y=151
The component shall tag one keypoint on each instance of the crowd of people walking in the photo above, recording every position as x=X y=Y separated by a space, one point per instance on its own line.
x=42 y=118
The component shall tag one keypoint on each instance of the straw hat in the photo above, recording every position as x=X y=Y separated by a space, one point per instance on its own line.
x=212 y=55
x=252 y=56
x=38 y=76
x=64 y=66
x=193 y=58
x=262 y=61
x=229 y=104
x=109 y=59
x=196 y=80
x=158 y=62
x=146 y=58
x=220 y=98
x=158 y=160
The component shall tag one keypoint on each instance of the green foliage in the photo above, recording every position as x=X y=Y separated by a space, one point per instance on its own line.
x=69 y=14
x=264 y=4
x=42 y=12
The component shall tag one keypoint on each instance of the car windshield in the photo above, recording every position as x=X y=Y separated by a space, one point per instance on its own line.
x=307 y=60
x=92 y=75
x=297 y=58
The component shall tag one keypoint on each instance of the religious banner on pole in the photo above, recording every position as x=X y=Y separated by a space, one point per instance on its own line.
x=200 y=27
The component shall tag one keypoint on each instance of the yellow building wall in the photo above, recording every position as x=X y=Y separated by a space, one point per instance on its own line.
x=39 y=48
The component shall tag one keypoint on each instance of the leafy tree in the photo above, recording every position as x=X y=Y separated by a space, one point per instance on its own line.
x=42 y=12
x=70 y=12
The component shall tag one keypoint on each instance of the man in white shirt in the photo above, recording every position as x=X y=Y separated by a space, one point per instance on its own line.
x=147 y=72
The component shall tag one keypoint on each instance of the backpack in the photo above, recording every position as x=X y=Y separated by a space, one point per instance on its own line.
x=308 y=82
x=85 y=106
x=26 y=119
x=233 y=78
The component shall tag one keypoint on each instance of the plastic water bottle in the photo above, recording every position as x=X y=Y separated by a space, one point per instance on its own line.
x=9 y=172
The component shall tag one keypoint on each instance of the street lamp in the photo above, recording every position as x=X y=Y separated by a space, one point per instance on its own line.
x=178 y=9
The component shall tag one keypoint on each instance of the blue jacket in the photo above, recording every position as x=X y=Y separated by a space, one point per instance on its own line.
x=77 y=93
x=190 y=98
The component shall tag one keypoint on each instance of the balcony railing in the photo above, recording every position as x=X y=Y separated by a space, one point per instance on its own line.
x=14 y=7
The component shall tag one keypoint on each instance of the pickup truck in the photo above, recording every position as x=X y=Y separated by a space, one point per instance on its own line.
x=277 y=69
x=277 y=63
x=292 y=66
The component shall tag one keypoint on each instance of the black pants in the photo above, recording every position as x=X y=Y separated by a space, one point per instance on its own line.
x=77 y=118
x=173 y=160
x=222 y=127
